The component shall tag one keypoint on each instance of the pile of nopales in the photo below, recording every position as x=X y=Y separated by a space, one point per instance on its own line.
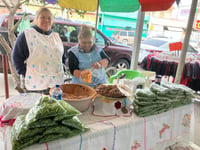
x=47 y=120
x=161 y=98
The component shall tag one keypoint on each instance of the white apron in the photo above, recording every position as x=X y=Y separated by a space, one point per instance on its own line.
x=44 y=64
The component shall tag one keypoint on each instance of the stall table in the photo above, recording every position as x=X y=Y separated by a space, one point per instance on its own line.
x=123 y=132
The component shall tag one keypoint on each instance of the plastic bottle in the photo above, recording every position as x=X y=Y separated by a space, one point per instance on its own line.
x=57 y=92
x=158 y=79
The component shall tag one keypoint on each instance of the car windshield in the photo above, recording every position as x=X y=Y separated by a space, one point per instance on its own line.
x=154 y=42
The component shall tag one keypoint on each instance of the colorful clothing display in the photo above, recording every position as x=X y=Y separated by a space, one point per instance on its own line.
x=190 y=75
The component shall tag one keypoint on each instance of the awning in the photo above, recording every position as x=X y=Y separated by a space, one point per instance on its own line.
x=155 y=5
x=87 y=5
x=119 y=5
x=116 y=5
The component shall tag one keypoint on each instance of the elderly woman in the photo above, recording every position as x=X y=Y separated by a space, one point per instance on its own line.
x=87 y=62
x=38 y=54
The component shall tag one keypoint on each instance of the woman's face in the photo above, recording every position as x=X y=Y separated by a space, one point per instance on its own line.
x=86 y=44
x=44 y=21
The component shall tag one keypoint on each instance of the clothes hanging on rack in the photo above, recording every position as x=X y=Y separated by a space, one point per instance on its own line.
x=191 y=72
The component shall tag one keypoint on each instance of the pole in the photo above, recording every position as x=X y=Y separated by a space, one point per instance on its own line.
x=96 y=21
x=5 y=72
x=137 y=39
x=186 y=41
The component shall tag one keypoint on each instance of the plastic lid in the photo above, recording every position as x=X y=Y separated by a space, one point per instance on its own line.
x=158 y=76
x=57 y=85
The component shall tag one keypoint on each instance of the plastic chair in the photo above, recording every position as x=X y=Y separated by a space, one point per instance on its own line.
x=127 y=74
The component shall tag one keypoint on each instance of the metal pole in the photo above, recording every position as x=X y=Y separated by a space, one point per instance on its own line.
x=137 y=39
x=186 y=41
x=5 y=72
x=102 y=19
x=96 y=21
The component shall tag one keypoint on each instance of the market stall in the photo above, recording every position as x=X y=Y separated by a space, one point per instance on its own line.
x=120 y=132
x=110 y=127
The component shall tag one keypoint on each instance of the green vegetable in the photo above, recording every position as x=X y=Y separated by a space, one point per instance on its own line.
x=75 y=123
x=50 y=137
x=57 y=129
x=20 y=130
x=20 y=144
x=47 y=122
x=44 y=110
x=69 y=112
x=39 y=125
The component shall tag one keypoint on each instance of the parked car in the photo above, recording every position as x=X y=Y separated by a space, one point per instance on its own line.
x=125 y=37
x=120 y=54
x=149 y=46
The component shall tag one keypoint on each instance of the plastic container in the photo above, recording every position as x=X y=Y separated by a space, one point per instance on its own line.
x=57 y=92
x=158 y=79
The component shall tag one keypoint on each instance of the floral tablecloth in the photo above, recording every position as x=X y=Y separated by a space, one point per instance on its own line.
x=119 y=132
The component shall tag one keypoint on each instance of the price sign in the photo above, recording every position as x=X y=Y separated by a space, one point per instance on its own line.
x=177 y=46
x=197 y=25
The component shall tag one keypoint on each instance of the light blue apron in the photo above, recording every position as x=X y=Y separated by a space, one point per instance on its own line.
x=85 y=61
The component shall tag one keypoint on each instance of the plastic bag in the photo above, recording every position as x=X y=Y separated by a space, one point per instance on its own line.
x=20 y=144
x=75 y=123
x=20 y=130
x=69 y=113
x=45 y=108
x=24 y=24
x=57 y=130
x=42 y=123
x=86 y=76
x=38 y=126
x=17 y=105
x=50 y=137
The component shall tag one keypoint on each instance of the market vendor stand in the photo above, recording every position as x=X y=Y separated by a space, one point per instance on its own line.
x=120 y=131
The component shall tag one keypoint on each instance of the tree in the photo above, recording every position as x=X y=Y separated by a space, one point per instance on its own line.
x=12 y=6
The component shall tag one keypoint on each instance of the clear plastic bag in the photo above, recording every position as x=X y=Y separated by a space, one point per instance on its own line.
x=24 y=24
x=98 y=73
x=75 y=123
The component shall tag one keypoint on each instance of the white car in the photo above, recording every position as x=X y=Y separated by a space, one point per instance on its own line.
x=149 y=46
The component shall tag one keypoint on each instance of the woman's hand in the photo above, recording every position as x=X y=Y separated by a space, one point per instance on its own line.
x=96 y=65
x=99 y=64
x=86 y=76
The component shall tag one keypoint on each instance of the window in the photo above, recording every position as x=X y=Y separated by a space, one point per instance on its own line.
x=130 y=33
x=191 y=49
x=123 y=33
x=99 y=39
x=64 y=31
x=154 y=42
